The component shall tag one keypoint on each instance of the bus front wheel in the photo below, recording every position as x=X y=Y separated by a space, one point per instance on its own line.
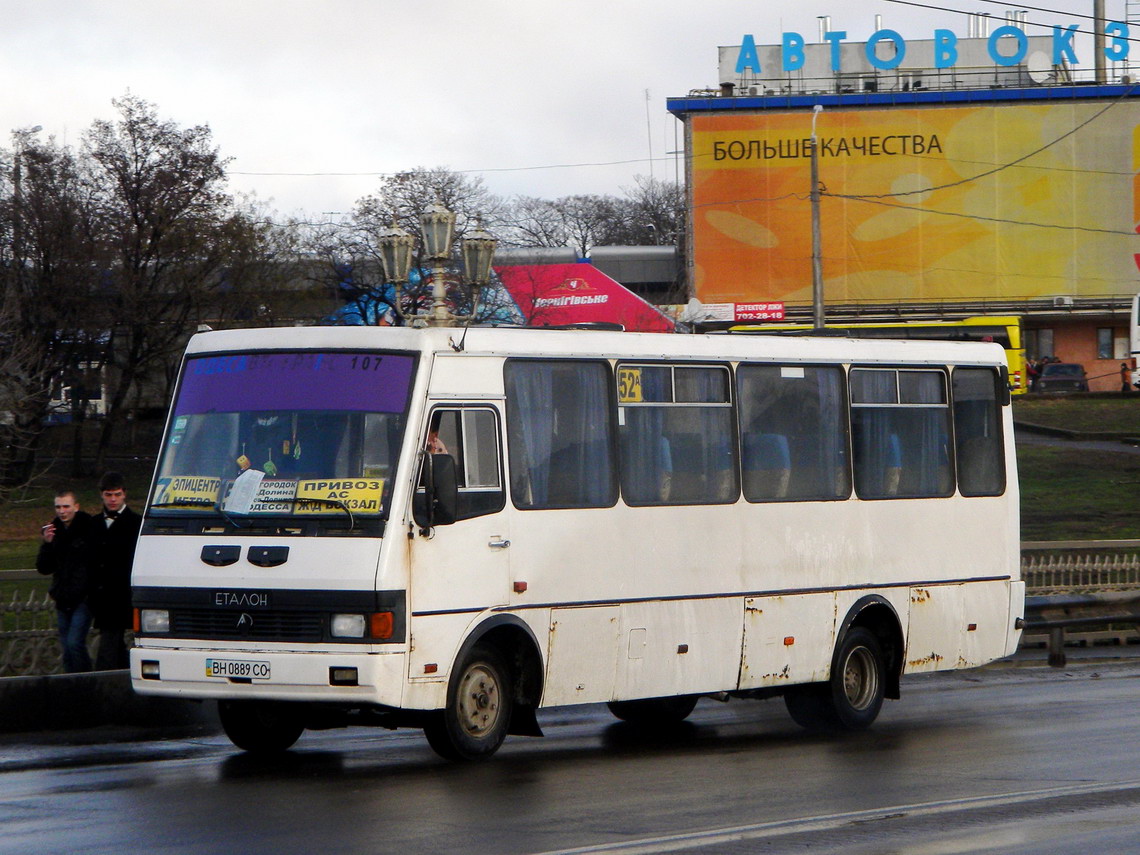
x=851 y=700
x=479 y=701
x=260 y=727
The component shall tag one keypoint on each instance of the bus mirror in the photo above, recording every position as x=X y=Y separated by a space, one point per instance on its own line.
x=440 y=505
x=1005 y=390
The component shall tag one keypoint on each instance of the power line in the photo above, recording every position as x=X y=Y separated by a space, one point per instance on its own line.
x=1008 y=165
x=1005 y=3
x=871 y=200
x=457 y=171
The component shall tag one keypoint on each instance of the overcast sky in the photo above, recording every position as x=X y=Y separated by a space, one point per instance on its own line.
x=313 y=100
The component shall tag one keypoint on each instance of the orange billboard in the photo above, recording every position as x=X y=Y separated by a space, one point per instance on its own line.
x=919 y=204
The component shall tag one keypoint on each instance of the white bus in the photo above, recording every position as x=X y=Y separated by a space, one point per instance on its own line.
x=636 y=519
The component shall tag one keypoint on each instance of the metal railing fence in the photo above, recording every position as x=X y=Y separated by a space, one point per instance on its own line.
x=1047 y=575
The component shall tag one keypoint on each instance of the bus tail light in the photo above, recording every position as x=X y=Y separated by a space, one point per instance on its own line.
x=382 y=624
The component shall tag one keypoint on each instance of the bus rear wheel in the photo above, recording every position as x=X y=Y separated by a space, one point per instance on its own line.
x=654 y=712
x=851 y=700
x=260 y=727
x=478 y=713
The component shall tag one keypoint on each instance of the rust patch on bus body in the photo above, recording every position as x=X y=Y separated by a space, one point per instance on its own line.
x=785 y=674
x=919 y=595
x=931 y=659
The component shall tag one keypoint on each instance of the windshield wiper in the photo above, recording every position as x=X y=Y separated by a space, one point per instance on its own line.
x=196 y=504
x=336 y=503
x=184 y=503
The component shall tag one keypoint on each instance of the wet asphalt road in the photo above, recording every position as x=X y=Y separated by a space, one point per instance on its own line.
x=1005 y=759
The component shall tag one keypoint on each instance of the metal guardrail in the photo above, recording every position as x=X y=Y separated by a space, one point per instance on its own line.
x=1059 y=614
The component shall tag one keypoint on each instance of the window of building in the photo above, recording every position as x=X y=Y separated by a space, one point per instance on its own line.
x=1038 y=343
x=900 y=427
x=1104 y=343
x=793 y=432
x=676 y=435
x=560 y=433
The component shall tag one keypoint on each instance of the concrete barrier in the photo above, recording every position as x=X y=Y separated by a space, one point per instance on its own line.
x=101 y=698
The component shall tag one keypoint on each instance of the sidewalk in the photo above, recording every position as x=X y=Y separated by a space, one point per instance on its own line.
x=68 y=702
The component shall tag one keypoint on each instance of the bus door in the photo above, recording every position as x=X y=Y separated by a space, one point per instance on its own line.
x=465 y=565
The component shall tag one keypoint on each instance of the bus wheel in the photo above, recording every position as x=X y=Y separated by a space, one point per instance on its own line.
x=857 y=680
x=853 y=697
x=650 y=712
x=810 y=707
x=479 y=700
x=260 y=727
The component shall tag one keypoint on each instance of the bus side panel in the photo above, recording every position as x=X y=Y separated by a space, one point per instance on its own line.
x=935 y=628
x=582 y=663
x=959 y=626
x=678 y=647
x=787 y=640
x=987 y=617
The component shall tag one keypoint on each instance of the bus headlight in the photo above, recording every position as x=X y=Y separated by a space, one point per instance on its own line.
x=154 y=620
x=347 y=626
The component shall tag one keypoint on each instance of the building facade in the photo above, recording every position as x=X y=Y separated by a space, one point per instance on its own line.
x=997 y=184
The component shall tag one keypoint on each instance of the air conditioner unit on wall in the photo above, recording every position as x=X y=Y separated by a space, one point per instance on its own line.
x=1060 y=302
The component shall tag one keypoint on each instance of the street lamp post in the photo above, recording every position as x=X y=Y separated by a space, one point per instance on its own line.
x=437 y=229
x=816 y=237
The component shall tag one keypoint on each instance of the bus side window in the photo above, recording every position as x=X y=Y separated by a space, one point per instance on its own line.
x=793 y=432
x=471 y=436
x=977 y=433
x=901 y=432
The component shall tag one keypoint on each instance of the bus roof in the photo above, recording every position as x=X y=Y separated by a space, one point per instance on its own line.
x=537 y=342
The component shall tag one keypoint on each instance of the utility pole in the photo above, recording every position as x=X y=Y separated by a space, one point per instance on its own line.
x=816 y=237
x=1098 y=41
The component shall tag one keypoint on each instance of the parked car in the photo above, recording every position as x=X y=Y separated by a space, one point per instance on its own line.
x=1062 y=377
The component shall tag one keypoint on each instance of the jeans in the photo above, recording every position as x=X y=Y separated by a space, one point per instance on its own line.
x=73 y=627
x=111 y=654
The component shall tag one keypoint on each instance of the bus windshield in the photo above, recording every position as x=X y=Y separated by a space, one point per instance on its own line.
x=306 y=435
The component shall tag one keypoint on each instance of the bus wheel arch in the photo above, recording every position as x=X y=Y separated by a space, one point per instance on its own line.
x=518 y=647
x=878 y=616
x=865 y=668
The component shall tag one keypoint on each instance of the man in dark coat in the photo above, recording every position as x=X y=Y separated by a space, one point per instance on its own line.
x=67 y=555
x=117 y=528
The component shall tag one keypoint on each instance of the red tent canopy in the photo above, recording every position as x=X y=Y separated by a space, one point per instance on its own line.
x=558 y=294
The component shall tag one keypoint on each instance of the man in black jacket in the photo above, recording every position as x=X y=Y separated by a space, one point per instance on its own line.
x=117 y=528
x=67 y=555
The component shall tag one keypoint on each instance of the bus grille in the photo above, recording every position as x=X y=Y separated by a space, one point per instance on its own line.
x=266 y=626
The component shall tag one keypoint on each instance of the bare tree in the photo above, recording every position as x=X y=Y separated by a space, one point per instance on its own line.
x=51 y=318
x=351 y=253
x=654 y=214
x=528 y=221
x=174 y=244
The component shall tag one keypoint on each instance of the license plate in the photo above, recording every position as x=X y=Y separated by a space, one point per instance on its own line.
x=241 y=669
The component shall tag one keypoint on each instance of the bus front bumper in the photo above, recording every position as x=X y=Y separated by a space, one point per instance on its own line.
x=358 y=678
